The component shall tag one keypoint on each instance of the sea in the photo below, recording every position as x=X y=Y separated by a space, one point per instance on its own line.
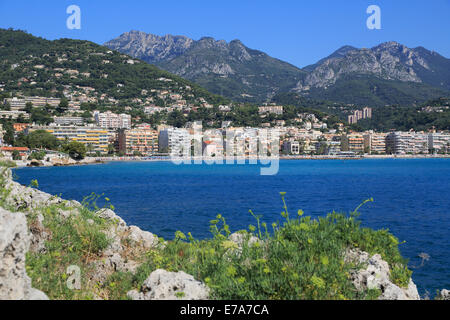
x=411 y=198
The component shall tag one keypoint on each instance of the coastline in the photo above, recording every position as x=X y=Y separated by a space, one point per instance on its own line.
x=105 y=160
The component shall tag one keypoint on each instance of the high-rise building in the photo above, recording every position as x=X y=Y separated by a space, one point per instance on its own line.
x=175 y=141
x=439 y=142
x=375 y=142
x=111 y=120
x=142 y=139
x=352 y=142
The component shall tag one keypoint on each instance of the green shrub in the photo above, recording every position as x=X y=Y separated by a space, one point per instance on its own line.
x=302 y=258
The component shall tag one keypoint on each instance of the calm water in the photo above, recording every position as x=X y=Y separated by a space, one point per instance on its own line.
x=411 y=198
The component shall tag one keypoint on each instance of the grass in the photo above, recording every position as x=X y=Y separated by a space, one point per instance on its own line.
x=300 y=258
x=7 y=163
x=77 y=240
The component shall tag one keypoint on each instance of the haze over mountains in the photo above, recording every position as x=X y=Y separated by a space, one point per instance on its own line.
x=389 y=73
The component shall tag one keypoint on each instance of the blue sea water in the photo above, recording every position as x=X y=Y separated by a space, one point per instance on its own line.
x=411 y=198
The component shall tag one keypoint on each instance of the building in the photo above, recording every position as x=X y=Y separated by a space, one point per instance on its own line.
x=271 y=109
x=352 y=142
x=20 y=103
x=94 y=138
x=439 y=142
x=291 y=147
x=213 y=143
x=8 y=151
x=64 y=121
x=175 y=141
x=14 y=114
x=375 y=143
x=111 y=120
x=365 y=113
x=407 y=143
x=20 y=127
x=143 y=140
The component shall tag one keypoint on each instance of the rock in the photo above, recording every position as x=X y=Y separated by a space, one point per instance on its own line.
x=240 y=238
x=444 y=295
x=68 y=213
x=146 y=239
x=376 y=275
x=38 y=235
x=14 y=243
x=26 y=199
x=108 y=214
x=164 y=285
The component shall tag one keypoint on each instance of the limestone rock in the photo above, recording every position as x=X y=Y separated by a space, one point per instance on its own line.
x=444 y=294
x=164 y=285
x=376 y=275
x=240 y=238
x=14 y=243
x=144 y=238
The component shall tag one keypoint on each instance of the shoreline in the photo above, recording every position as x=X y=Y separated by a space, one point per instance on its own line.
x=244 y=160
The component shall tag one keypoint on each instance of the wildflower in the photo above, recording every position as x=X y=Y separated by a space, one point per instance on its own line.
x=266 y=270
x=300 y=213
x=231 y=271
x=304 y=227
x=318 y=282
x=229 y=245
x=282 y=193
x=310 y=241
x=241 y=280
x=252 y=228
x=180 y=235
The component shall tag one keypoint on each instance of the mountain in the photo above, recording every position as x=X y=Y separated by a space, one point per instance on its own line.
x=227 y=68
x=35 y=66
x=389 y=73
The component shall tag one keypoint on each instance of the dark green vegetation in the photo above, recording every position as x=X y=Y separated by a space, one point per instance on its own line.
x=371 y=91
x=76 y=150
x=21 y=52
x=384 y=119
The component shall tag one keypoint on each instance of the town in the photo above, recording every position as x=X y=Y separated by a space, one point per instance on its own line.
x=109 y=135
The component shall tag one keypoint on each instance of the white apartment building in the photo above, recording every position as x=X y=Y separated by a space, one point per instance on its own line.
x=175 y=141
x=111 y=120
x=407 y=142
x=439 y=142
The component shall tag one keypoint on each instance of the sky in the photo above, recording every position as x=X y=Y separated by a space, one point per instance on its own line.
x=297 y=31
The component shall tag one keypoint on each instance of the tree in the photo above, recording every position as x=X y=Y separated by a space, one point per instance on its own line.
x=76 y=150
x=40 y=116
x=16 y=155
x=63 y=106
x=40 y=139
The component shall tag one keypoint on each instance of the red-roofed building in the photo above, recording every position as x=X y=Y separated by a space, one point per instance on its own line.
x=23 y=151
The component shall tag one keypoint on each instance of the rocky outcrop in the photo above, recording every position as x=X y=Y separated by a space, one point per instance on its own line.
x=164 y=285
x=14 y=243
x=444 y=295
x=24 y=198
x=124 y=240
x=376 y=275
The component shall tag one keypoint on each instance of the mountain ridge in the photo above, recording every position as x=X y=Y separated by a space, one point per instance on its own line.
x=243 y=74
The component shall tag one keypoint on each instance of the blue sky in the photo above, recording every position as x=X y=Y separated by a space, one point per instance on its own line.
x=300 y=32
